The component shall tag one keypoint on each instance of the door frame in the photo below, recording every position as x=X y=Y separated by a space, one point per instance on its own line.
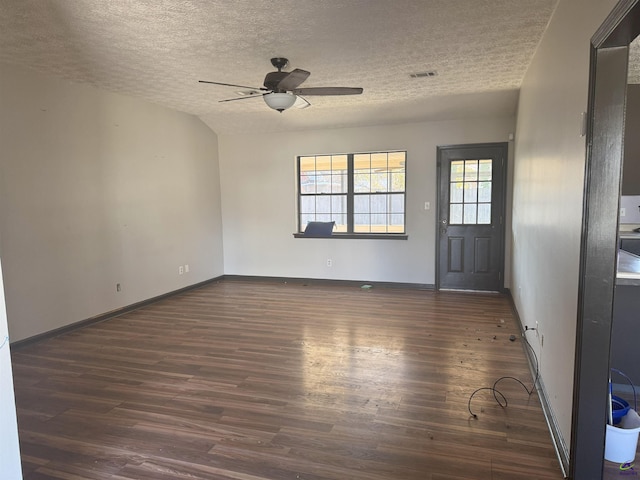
x=599 y=241
x=503 y=214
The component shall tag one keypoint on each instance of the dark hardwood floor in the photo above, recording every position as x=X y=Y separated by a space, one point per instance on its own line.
x=251 y=380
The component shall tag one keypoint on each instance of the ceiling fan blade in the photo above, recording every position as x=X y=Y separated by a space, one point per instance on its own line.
x=243 y=98
x=327 y=91
x=231 y=85
x=293 y=79
x=301 y=102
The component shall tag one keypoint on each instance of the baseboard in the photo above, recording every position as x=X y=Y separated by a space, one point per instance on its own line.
x=105 y=316
x=329 y=281
x=562 y=451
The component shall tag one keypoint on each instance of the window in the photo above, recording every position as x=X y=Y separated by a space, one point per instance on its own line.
x=364 y=193
x=470 y=187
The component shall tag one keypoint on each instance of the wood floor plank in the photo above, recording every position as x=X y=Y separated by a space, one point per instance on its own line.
x=258 y=380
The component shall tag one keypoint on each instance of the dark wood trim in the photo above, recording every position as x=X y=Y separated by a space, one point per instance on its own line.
x=105 y=316
x=561 y=448
x=361 y=236
x=598 y=252
x=620 y=27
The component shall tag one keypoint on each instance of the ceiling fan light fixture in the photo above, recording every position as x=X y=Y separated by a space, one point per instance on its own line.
x=279 y=101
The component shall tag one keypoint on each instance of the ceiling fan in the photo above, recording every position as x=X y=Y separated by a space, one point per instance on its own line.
x=281 y=88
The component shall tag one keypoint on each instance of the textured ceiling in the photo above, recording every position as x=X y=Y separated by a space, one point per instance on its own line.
x=157 y=50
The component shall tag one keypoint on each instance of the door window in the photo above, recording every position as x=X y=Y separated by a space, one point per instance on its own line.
x=470 y=192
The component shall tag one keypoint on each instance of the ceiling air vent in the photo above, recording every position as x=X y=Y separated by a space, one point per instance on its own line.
x=430 y=73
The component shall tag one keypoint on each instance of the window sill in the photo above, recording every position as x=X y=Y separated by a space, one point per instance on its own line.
x=360 y=236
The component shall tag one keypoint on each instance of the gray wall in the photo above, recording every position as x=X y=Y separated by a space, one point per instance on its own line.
x=98 y=189
x=258 y=176
x=548 y=192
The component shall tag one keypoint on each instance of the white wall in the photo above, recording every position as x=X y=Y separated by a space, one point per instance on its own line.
x=258 y=176
x=9 y=446
x=98 y=189
x=548 y=192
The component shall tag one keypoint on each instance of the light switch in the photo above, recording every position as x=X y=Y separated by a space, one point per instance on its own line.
x=427 y=205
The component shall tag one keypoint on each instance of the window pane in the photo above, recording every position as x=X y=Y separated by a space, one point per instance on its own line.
x=397 y=204
x=341 y=223
x=378 y=203
x=457 y=171
x=339 y=163
x=307 y=183
x=397 y=181
x=471 y=170
x=362 y=182
x=323 y=183
x=396 y=160
x=323 y=204
x=379 y=161
x=484 y=192
x=470 y=213
x=485 y=170
x=470 y=192
x=396 y=223
x=308 y=204
x=323 y=217
x=361 y=204
x=456 y=192
x=378 y=223
x=339 y=183
x=361 y=223
x=484 y=213
x=362 y=163
x=307 y=164
x=323 y=163
x=455 y=214
x=339 y=204
x=379 y=182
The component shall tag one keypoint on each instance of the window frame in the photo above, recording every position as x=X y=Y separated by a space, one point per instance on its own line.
x=351 y=194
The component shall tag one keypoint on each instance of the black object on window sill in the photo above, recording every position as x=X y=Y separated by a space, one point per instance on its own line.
x=319 y=229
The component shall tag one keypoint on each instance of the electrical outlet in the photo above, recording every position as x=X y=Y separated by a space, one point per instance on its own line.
x=623 y=212
x=186 y=268
x=329 y=262
x=180 y=270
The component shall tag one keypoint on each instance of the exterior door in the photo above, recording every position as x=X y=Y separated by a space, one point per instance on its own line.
x=471 y=190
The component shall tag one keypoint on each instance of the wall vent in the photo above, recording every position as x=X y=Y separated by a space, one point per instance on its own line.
x=430 y=73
